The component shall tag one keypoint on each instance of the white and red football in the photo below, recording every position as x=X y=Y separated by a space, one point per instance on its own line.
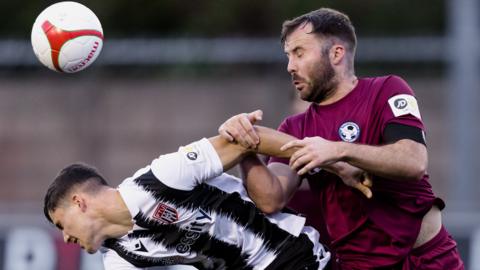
x=67 y=37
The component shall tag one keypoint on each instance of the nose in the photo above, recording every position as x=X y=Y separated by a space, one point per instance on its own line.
x=66 y=238
x=291 y=67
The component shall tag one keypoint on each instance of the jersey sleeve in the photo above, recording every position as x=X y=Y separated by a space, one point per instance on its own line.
x=397 y=104
x=285 y=128
x=189 y=166
x=112 y=261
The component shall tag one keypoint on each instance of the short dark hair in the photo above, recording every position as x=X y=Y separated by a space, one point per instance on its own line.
x=71 y=176
x=325 y=22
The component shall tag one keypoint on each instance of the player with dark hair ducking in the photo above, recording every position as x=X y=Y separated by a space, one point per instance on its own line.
x=181 y=209
x=373 y=124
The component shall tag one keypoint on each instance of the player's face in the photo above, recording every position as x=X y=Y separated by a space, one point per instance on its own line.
x=77 y=227
x=309 y=64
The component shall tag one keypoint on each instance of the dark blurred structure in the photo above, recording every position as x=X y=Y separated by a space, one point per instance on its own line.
x=234 y=18
x=171 y=71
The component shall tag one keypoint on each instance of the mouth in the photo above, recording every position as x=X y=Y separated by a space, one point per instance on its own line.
x=77 y=242
x=298 y=85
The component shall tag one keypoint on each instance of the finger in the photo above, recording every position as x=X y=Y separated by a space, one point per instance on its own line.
x=224 y=134
x=238 y=135
x=255 y=116
x=232 y=126
x=251 y=135
x=367 y=179
x=243 y=132
x=236 y=129
x=291 y=144
x=364 y=189
x=296 y=155
x=305 y=169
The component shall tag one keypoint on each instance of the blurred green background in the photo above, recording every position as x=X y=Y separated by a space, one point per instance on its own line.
x=143 y=18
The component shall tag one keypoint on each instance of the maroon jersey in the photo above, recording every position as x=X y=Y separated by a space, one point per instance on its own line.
x=366 y=232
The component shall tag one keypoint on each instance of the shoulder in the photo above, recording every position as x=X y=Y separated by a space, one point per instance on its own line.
x=383 y=88
x=393 y=84
x=393 y=92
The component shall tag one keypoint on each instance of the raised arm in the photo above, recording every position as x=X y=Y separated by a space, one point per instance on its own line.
x=272 y=187
x=270 y=143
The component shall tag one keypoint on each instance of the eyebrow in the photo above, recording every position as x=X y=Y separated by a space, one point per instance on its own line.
x=294 y=50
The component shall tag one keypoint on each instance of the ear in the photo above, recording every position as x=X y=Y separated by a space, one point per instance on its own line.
x=79 y=201
x=337 y=54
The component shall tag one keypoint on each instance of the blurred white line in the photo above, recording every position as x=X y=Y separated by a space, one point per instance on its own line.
x=159 y=51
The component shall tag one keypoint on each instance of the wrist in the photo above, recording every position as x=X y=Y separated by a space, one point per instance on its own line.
x=343 y=151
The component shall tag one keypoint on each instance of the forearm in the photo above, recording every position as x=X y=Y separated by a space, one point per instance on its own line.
x=403 y=160
x=270 y=142
x=270 y=188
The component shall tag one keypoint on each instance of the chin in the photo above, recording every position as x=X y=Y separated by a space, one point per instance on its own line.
x=91 y=250
x=306 y=96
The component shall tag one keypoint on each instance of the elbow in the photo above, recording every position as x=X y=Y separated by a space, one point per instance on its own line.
x=416 y=176
x=421 y=164
x=418 y=164
x=418 y=170
x=270 y=208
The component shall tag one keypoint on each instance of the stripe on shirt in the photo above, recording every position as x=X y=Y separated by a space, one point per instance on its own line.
x=214 y=200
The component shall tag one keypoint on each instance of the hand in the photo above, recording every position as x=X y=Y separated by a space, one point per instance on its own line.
x=356 y=178
x=313 y=152
x=239 y=128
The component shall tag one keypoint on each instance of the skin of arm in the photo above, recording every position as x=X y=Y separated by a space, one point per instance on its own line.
x=271 y=187
x=403 y=160
x=270 y=142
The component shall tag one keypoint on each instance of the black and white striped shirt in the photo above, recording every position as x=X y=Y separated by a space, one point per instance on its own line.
x=186 y=211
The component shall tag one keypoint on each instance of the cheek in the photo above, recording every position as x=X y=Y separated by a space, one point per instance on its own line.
x=74 y=225
x=311 y=71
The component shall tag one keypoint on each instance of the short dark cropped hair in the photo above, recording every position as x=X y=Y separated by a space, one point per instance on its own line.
x=71 y=176
x=325 y=22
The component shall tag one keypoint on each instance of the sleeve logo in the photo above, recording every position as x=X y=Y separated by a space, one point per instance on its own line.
x=403 y=105
x=400 y=103
x=191 y=153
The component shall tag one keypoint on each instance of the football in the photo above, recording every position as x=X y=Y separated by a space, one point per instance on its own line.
x=67 y=37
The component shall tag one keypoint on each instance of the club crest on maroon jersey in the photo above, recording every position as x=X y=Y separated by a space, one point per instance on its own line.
x=349 y=132
x=165 y=214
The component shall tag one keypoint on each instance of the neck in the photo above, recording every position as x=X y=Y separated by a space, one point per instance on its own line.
x=345 y=86
x=117 y=218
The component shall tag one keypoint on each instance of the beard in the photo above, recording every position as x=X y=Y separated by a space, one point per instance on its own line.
x=322 y=83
